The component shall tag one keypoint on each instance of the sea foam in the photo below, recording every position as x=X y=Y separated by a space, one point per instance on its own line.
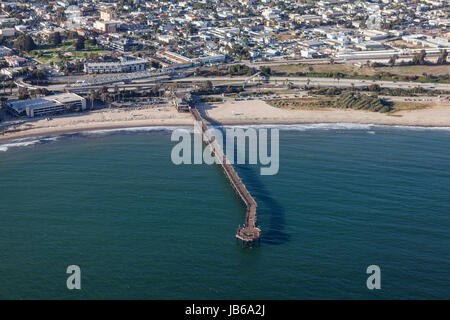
x=136 y=129
x=23 y=142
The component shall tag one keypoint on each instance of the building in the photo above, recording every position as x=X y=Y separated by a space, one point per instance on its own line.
x=171 y=60
x=15 y=61
x=107 y=15
x=10 y=72
x=119 y=44
x=270 y=14
x=104 y=26
x=116 y=67
x=4 y=51
x=49 y=105
x=7 y=32
x=212 y=59
x=182 y=102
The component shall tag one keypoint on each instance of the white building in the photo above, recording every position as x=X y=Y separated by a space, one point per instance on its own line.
x=7 y=32
x=116 y=67
x=212 y=59
x=4 y=51
x=105 y=26
x=270 y=14
x=49 y=105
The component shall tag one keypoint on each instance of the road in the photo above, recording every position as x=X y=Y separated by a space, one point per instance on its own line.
x=327 y=82
x=240 y=80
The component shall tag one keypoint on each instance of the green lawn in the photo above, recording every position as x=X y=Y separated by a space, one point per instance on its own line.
x=48 y=53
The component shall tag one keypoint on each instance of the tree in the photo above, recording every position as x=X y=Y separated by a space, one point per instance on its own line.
x=208 y=86
x=23 y=93
x=442 y=57
x=79 y=44
x=374 y=87
x=190 y=28
x=55 y=38
x=104 y=96
x=38 y=74
x=3 y=101
x=393 y=59
x=265 y=71
x=24 y=43
x=419 y=57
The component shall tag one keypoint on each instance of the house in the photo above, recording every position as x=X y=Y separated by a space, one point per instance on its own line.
x=4 y=51
x=15 y=61
x=7 y=32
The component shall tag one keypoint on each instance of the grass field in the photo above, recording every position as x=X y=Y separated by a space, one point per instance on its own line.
x=352 y=71
x=293 y=68
x=48 y=53
x=416 y=70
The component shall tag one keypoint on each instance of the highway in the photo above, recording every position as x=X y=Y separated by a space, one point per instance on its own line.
x=326 y=82
x=241 y=80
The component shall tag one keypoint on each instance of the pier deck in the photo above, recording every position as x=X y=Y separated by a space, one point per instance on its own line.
x=249 y=232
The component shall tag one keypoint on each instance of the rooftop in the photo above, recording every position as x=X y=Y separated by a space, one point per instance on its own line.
x=55 y=100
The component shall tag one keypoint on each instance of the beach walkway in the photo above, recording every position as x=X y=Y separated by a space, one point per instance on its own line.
x=249 y=232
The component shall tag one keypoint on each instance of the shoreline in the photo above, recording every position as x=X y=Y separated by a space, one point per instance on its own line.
x=244 y=113
x=119 y=127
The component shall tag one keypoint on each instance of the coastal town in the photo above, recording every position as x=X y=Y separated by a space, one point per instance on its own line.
x=148 y=61
x=221 y=157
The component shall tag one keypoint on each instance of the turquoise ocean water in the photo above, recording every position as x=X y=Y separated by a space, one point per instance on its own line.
x=345 y=197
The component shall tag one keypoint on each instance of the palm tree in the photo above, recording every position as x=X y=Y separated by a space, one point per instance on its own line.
x=104 y=96
x=116 y=92
x=3 y=101
x=92 y=97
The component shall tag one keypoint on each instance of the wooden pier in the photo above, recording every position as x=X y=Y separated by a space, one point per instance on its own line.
x=249 y=233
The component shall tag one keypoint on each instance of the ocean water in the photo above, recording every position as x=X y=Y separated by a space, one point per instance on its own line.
x=138 y=226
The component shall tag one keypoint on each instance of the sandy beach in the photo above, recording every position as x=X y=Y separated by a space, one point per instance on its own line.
x=229 y=112
x=259 y=112
x=97 y=120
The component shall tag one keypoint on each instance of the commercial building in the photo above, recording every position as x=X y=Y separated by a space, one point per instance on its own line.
x=116 y=67
x=172 y=60
x=105 y=26
x=212 y=59
x=49 y=105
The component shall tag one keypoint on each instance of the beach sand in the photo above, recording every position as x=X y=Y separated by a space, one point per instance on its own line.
x=229 y=112
x=98 y=120
x=259 y=112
